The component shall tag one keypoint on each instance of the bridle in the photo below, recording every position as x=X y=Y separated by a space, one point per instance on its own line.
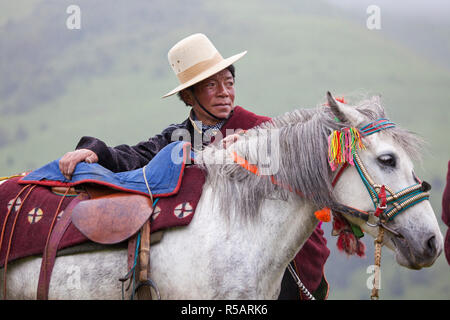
x=387 y=207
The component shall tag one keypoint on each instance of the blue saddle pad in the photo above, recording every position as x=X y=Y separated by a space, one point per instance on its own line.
x=163 y=173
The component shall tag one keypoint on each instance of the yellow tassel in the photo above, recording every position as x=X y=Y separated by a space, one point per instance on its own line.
x=342 y=145
x=323 y=215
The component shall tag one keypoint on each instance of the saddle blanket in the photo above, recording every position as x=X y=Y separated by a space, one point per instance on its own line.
x=26 y=228
x=162 y=175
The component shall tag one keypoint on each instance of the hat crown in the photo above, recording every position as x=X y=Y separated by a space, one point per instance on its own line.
x=194 y=59
x=190 y=51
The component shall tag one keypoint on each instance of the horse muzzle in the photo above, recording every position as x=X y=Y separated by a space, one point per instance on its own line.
x=417 y=252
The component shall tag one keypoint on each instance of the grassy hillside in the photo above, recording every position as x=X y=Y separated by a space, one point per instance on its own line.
x=106 y=80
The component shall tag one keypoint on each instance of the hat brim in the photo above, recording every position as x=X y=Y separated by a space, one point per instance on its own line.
x=207 y=73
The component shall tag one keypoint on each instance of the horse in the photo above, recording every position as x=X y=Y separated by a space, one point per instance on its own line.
x=257 y=210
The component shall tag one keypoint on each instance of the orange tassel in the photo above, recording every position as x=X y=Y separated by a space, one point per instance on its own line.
x=341 y=100
x=323 y=215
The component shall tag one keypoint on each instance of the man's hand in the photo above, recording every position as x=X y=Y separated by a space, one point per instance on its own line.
x=70 y=160
x=229 y=140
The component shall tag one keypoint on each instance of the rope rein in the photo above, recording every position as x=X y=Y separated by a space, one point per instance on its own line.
x=299 y=283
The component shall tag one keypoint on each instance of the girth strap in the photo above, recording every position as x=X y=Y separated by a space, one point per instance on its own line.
x=49 y=255
x=144 y=262
x=139 y=246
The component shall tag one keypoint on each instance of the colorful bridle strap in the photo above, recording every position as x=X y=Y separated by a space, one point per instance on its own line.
x=400 y=200
x=378 y=125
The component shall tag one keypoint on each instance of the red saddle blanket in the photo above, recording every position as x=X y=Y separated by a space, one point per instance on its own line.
x=24 y=232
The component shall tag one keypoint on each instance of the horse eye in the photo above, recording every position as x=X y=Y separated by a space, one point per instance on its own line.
x=387 y=160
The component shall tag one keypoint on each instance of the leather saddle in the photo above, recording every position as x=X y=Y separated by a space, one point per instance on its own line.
x=109 y=216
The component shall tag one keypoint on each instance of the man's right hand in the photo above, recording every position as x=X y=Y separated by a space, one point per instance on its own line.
x=70 y=160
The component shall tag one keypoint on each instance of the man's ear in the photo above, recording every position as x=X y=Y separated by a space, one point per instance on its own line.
x=186 y=96
x=344 y=112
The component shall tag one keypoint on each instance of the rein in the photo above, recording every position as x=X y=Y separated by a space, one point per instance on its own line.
x=342 y=148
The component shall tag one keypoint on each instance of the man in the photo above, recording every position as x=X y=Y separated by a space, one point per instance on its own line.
x=207 y=85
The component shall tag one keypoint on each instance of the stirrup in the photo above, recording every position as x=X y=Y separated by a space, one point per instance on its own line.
x=149 y=283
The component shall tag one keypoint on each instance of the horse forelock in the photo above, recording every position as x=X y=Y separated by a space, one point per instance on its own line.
x=303 y=163
x=410 y=142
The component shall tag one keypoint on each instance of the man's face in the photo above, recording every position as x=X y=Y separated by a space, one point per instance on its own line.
x=216 y=94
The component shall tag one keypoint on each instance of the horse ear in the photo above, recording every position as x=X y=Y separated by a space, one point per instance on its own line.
x=344 y=112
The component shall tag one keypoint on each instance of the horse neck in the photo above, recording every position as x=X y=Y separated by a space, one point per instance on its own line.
x=289 y=223
x=285 y=226
x=262 y=226
x=268 y=242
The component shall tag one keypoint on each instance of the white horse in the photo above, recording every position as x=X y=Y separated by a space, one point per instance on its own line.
x=247 y=229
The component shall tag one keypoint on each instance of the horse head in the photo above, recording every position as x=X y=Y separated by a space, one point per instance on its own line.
x=383 y=181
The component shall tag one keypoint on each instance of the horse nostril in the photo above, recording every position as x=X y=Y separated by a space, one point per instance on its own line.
x=431 y=245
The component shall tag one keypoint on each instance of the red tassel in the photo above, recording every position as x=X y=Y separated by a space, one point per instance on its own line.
x=361 y=249
x=347 y=242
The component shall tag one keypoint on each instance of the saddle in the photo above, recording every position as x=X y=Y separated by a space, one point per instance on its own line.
x=110 y=208
x=111 y=217
x=105 y=216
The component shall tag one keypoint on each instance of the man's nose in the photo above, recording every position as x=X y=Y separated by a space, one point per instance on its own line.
x=222 y=90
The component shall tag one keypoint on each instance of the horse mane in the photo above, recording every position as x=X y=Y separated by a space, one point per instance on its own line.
x=303 y=139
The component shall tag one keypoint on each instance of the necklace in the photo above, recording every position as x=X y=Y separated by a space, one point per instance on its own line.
x=195 y=126
x=211 y=129
x=207 y=131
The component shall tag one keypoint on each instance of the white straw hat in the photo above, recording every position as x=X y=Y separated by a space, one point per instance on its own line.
x=194 y=59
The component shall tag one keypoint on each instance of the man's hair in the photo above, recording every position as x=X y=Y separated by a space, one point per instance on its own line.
x=191 y=88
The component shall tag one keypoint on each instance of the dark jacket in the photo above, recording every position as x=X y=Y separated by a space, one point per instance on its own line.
x=124 y=157
x=310 y=260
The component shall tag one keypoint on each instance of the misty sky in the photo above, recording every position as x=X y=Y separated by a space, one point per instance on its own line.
x=439 y=9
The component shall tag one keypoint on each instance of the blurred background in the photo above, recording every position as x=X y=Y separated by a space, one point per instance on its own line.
x=106 y=79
